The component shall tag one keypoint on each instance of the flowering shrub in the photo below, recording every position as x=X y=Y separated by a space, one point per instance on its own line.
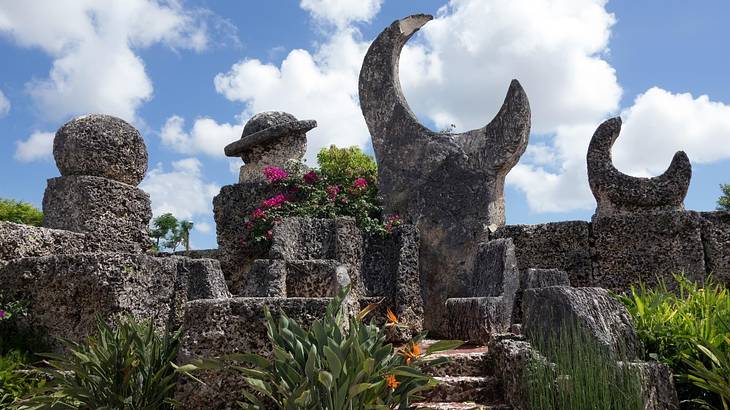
x=346 y=185
x=326 y=368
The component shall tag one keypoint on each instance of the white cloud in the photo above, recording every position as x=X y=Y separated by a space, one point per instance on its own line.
x=39 y=146
x=320 y=86
x=342 y=12
x=207 y=136
x=203 y=227
x=180 y=191
x=4 y=104
x=95 y=68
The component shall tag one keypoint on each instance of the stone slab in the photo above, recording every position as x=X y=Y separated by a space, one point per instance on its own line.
x=648 y=247
x=537 y=278
x=114 y=215
x=216 y=327
x=475 y=319
x=716 y=243
x=558 y=245
x=20 y=241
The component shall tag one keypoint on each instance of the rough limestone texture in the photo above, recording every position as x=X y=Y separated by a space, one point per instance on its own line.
x=618 y=193
x=20 y=241
x=716 y=242
x=548 y=311
x=199 y=253
x=112 y=214
x=233 y=204
x=537 y=278
x=216 y=327
x=102 y=146
x=657 y=385
x=559 y=245
x=449 y=185
x=488 y=306
x=67 y=292
x=269 y=138
x=294 y=278
x=647 y=247
x=512 y=359
x=201 y=278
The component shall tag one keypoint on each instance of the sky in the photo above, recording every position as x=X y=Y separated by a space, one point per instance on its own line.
x=189 y=74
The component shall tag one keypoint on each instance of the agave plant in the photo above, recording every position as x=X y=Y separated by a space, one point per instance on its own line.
x=714 y=377
x=329 y=368
x=126 y=367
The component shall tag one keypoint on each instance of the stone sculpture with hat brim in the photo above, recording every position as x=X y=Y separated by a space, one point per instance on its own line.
x=269 y=138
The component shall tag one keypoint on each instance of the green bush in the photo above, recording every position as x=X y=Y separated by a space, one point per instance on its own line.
x=20 y=212
x=127 y=368
x=17 y=377
x=345 y=185
x=583 y=375
x=684 y=329
x=328 y=368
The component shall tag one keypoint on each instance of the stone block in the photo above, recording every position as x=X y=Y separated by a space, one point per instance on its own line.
x=214 y=328
x=267 y=278
x=475 y=319
x=113 y=214
x=716 y=243
x=646 y=247
x=201 y=278
x=67 y=292
x=537 y=278
x=548 y=312
x=199 y=253
x=657 y=385
x=512 y=359
x=559 y=245
x=20 y=241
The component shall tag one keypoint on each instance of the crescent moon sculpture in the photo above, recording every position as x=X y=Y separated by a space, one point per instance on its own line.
x=618 y=193
x=449 y=185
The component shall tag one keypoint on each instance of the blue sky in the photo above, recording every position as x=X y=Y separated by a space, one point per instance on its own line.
x=189 y=74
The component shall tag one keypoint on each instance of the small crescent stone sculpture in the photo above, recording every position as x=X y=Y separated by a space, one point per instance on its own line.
x=450 y=185
x=618 y=193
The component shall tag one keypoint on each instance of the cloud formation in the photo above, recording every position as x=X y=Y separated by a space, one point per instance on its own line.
x=39 y=146
x=342 y=12
x=4 y=104
x=206 y=137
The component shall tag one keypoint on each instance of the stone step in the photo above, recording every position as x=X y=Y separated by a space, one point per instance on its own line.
x=465 y=389
x=467 y=360
x=460 y=406
x=475 y=318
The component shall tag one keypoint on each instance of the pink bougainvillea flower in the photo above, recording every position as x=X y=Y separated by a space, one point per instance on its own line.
x=360 y=184
x=332 y=191
x=392 y=221
x=311 y=177
x=274 y=174
x=274 y=202
x=258 y=214
x=269 y=234
x=2 y=314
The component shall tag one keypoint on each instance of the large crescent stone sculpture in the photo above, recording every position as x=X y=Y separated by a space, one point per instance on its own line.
x=618 y=193
x=450 y=185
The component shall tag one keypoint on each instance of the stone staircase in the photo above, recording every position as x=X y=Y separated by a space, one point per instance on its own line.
x=467 y=381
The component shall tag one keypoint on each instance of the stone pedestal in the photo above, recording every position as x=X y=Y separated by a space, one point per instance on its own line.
x=112 y=214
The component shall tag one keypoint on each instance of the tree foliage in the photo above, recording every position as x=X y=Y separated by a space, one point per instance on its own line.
x=723 y=204
x=20 y=212
x=168 y=232
x=343 y=165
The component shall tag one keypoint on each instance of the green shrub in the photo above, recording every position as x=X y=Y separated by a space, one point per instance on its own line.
x=328 y=368
x=20 y=212
x=583 y=376
x=345 y=185
x=17 y=377
x=127 y=368
x=679 y=328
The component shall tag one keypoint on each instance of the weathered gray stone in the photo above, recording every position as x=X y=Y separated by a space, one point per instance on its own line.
x=67 y=292
x=512 y=360
x=102 y=146
x=537 y=278
x=449 y=185
x=618 y=193
x=390 y=269
x=199 y=253
x=20 y=241
x=559 y=245
x=657 y=385
x=267 y=278
x=551 y=312
x=231 y=207
x=269 y=139
x=310 y=278
x=475 y=319
x=214 y=328
x=201 y=278
x=646 y=247
x=112 y=214
x=716 y=243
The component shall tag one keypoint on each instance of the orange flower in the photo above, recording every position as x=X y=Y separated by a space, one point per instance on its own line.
x=392 y=318
x=410 y=352
x=391 y=381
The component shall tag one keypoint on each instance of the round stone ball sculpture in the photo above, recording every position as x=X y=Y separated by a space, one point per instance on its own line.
x=103 y=146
